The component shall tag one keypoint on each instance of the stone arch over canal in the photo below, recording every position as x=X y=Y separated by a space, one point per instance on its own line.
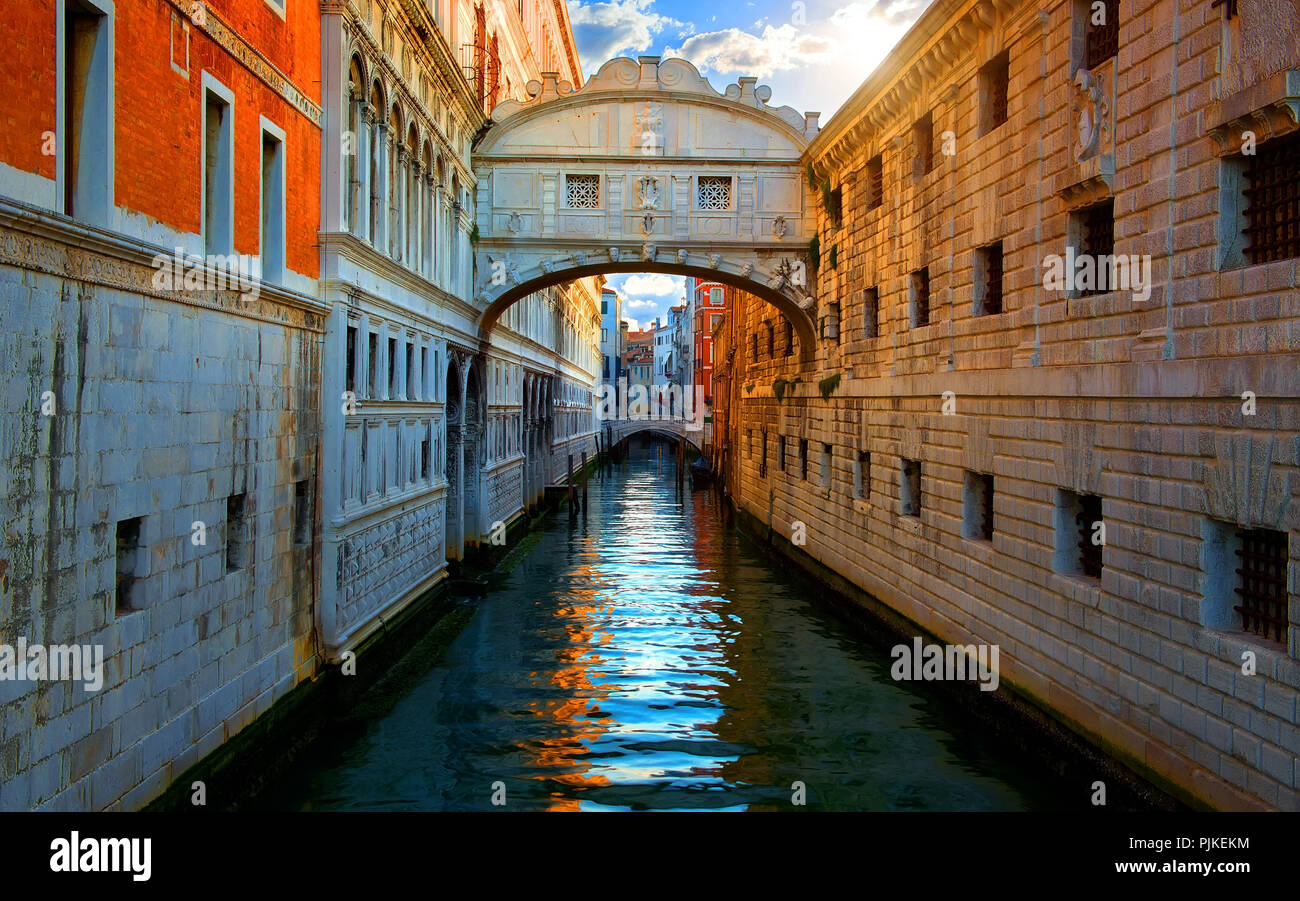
x=646 y=168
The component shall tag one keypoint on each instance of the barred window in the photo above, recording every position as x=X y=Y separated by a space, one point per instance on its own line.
x=876 y=182
x=1229 y=7
x=988 y=287
x=1103 y=36
x=993 y=81
x=1262 y=587
x=871 y=313
x=713 y=192
x=977 y=506
x=582 y=192
x=1094 y=230
x=1273 y=200
x=920 y=298
x=923 y=143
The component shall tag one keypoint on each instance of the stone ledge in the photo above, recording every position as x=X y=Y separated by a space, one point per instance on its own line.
x=1269 y=108
x=1085 y=183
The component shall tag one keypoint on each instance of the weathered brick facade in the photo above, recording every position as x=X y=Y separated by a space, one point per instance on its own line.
x=1059 y=397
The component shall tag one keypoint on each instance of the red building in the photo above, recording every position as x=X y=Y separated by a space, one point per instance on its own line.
x=710 y=301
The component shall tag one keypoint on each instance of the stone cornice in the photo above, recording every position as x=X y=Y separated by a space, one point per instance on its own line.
x=202 y=16
x=1268 y=109
x=40 y=241
x=365 y=256
x=925 y=56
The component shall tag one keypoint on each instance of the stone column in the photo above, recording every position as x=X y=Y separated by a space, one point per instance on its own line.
x=379 y=196
x=366 y=118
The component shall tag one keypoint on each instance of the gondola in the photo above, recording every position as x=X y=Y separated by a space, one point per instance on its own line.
x=701 y=475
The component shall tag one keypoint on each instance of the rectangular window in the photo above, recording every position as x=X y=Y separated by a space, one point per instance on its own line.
x=350 y=364
x=1092 y=229
x=749 y=446
x=988 y=280
x=1229 y=7
x=803 y=459
x=86 y=155
x=272 y=230
x=392 y=368
x=410 y=371
x=1272 y=208
x=582 y=192
x=923 y=145
x=302 y=512
x=826 y=466
x=780 y=452
x=871 y=313
x=875 y=182
x=762 y=465
x=128 y=563
x=1080 y=534
x=993 y=83
x=1245 y=579
x=977 y=507
x=236 y=533
x=862 y=476
x=715 y=297
x=426 y=445
x=920 y=291
x=835 y=212
x=789 y=338
x=372 y=383
x=910 y=485
x=1102 y=40
x=604 y=307
x=424 y=373
x=218 y=176
x=713 y=192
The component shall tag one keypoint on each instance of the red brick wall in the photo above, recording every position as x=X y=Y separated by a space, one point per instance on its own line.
x=158 y=112
x=28 y=106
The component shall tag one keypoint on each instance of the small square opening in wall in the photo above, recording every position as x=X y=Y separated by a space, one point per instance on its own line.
x=582 y=191
x=1245 y=579
x=977 y=507
x=128 y=563
x=236 y=533
x=302 y=512
x=1080 y=534
x=910 y=487
x=803 y=459
x=862 y=476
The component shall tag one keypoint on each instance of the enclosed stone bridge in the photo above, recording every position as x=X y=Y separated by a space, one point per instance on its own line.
x=646 y=168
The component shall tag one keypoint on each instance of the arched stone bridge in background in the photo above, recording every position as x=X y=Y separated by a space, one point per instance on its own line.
x=613 y=431
x=646 y=168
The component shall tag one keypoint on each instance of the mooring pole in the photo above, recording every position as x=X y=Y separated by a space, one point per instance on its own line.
x=584 y=480
x=572 y=497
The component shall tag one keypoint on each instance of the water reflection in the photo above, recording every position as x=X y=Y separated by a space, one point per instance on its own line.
x=645 y=656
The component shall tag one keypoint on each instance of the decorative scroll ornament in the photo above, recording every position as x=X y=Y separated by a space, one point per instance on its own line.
x=647 y=191
x=1093 y=111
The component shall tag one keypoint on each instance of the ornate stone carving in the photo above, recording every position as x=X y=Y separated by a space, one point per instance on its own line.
x=1093 y=112
x=515 y=223
x=648 y=252
x=779 y=226
x=715 y=260
x=647 y=192
x=648 y=224
x=613 y=254
x=681 y=256
x=1243 y=486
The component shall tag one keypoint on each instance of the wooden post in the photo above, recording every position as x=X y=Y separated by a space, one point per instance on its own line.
x=571 y=495
x=584 y=480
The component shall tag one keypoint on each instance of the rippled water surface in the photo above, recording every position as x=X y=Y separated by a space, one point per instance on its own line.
x=647 y=657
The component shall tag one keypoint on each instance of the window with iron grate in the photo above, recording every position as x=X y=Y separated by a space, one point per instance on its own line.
x=993 y=82
x=871 y=313
x=1273 y=200
x=1262 y=583
x=910 y=487
x=923 y=144
x=582 y=192
x=1102 y=40
x=1094 y=229
x=1091 y=539
x=920 y=312
x=789 y=338
x=803 y=459
x=713 y=192
x=875 y=182
x=988 y=287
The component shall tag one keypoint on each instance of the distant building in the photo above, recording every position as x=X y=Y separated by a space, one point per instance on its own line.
x=710 y=300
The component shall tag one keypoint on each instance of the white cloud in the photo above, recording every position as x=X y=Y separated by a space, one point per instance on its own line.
x=859 y=15
x=637 y=304
x=653 y=285
x=733 y=50
x=608 y=29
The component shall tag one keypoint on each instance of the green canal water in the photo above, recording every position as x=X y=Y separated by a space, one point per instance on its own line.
x=646 y=655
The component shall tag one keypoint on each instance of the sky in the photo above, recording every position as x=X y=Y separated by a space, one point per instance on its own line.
x=813 y=53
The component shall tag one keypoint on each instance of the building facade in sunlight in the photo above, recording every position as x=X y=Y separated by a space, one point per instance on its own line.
x=1053 y=398
x=434 y=433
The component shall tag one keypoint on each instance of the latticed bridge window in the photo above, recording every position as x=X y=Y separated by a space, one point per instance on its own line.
x=1273 y=200
x=714 y=192
x=582 y=192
